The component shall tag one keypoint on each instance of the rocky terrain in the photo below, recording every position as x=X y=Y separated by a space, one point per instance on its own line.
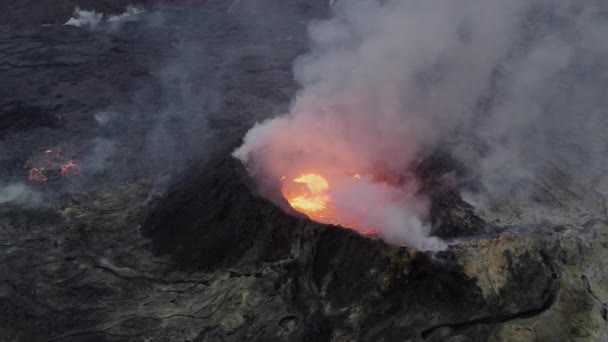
x=164 y=237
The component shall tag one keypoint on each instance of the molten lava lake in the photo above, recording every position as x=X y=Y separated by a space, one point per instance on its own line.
x=349 y=200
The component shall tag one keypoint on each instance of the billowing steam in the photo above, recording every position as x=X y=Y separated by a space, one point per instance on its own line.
x=386 y=82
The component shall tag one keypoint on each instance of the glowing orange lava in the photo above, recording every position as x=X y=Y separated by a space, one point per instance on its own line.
x=70 y=169
x=37 y=174
x=307 y=194
x=311 y=195
x=51 y=161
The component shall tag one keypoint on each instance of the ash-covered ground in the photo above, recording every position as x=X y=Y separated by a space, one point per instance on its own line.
x=164 y=236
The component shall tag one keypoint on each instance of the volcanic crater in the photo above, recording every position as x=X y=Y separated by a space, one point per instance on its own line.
x=334 y=280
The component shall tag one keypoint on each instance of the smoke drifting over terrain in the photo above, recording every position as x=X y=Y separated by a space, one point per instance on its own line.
x=19 y=193
x=147 y=94
x=94 y=20
x=510 y=88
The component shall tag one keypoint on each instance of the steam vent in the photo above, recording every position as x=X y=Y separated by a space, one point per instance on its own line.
x=348 y=170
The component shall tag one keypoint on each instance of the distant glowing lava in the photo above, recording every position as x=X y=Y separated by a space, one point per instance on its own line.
x=51 y=161
x=37 y=174
x=70 y=169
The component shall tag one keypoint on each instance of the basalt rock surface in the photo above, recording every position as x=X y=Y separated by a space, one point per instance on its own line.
x=117 y=255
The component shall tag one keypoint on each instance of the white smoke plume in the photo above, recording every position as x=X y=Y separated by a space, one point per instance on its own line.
x=19 y=193
x=94 y=20
x=131 y=13
x=502 y=83
x=84 y=18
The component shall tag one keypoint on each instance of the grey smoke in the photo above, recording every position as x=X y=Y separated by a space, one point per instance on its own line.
x=180 y=133
x=103 y=118
x=164 y=126
x=546 y=110
x=19 y=193
x=510 y=88
x=99 y=159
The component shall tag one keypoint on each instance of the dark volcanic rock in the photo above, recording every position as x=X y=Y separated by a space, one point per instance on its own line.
x=214 y=219
x=450 y=215
x=16 y=116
